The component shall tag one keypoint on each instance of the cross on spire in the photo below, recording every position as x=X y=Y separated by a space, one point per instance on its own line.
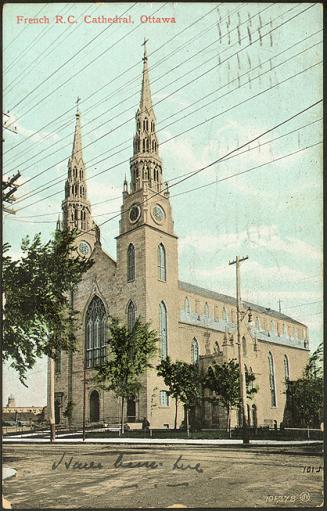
x=144 y=44
x=77 y=101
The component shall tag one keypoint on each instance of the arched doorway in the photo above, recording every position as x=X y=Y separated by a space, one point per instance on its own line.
x=131 y=409
x=94 y=406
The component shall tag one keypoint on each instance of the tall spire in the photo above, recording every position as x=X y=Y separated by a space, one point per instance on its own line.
x=145 y=165
x=145 y=102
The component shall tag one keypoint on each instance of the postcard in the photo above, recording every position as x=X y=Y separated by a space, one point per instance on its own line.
x=162 y=259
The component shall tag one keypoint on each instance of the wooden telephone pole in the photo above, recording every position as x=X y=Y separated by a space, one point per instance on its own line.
x=243 y=406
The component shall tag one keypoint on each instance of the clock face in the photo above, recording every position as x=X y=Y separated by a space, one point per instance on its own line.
x=84 y=248
x=134 y=213
x=158 y=213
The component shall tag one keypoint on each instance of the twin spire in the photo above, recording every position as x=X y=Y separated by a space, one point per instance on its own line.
x=145 y=102
x=145 y=164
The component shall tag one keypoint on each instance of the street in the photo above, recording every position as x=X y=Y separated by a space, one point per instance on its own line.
x=102 y=476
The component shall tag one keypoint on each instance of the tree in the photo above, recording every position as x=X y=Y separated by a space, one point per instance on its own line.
x=37 y=313
x=307 y=393
x=224 y=381
x=182 y=380
x=129 y=355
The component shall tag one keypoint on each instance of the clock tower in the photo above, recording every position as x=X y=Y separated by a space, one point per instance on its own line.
x=75 y=207
x=147 y=252
x=146 y=200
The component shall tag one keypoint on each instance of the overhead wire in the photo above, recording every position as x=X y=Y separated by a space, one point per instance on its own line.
x=173 y=52
x=214 y=182
x=192 y=127
x=52 y=46
x=187 y=173
x=67 y=62
x=132 y=118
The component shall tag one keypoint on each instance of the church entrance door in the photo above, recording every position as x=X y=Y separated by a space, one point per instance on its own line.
x=94 y=406
x=131 y=409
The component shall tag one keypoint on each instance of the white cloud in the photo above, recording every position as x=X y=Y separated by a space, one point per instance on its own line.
x=263 y=236
x=38 y=136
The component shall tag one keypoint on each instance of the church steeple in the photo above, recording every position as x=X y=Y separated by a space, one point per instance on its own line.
x=76 y=207
x=145 y=165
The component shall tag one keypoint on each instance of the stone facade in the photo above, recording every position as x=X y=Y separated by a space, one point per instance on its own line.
x=194 y=323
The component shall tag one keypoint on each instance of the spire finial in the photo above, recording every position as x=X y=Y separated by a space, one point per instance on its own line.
x=77 y=101
x=145 y=57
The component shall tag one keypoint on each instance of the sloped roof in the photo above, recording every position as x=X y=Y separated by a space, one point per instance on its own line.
x=207 y=293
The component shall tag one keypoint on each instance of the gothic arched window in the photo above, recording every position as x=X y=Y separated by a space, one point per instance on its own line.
x=195 y=351
x=163 y=331
x=225 y=315
x=131 y=315
x=257 y=323
x=187 y=307
x=272 y=382
x=206 y=310
x=95 y=326
x=162 y=270
x=286 y=368
x=244 y=347
x=130 y=262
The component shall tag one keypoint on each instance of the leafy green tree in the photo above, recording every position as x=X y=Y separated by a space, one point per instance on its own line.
x=307 y=393
x=224 y=381
x=129 y=355
x=37 y=314
x=183 y=382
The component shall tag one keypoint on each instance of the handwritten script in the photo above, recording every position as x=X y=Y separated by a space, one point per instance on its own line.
x=70 y=463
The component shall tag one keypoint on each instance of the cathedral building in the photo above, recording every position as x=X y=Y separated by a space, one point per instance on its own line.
x=194 y=324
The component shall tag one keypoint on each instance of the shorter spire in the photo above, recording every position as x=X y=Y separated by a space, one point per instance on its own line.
x=77 y=145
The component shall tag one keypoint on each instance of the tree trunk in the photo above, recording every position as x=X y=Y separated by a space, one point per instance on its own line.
x=176 y=404
x=228 y=423
x=122 y=416
x=187 y=421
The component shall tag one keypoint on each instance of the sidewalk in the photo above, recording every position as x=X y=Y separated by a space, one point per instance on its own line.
x=159 y=441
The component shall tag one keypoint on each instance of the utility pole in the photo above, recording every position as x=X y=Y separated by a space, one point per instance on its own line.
x=9 y=187
x=237 y=262
x=279 y=305
x=52 y=419
x=7 y=126
x=84 y=399
x=7 y=196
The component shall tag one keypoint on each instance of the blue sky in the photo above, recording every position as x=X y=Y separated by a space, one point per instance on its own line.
x=200 y=69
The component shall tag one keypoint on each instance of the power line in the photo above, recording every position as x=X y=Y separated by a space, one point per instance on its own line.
x=191 y=113
x=216 y=181
x=24 y=28
x=121 y=74
x=110 y=81
x=246 y=37
x=302 y=304
x=247 y=170
x=191 y=82
x=219 y=160
x=117 y=90
x=52 y=45
x=188 y=173
x=20 y=55
x=68 y=61
x=197 y=125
